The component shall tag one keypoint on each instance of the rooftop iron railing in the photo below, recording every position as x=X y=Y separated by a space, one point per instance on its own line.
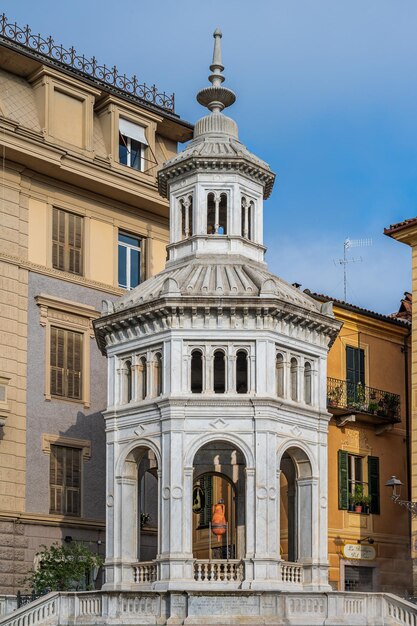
x=343 y=394
x=107 y=76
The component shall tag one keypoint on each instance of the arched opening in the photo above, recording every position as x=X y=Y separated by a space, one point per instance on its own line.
x=307 y=383
x=241 y=372
x=279 y=374
x=139 y=511
x=128 y=381
x=222 y=228
x=216 y=214
x=157 y=375
x=293 y=379
x=142 y=379
x=296 y=519
x=219 y=475
x=196 y=371
x=219 y=372
x=211 y=214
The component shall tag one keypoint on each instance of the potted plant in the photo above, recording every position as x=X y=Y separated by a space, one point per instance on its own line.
x=391 y=403
x=334 y=396
x=366 y=501
x=351 y=502
x=358 y=495
x=372 y=407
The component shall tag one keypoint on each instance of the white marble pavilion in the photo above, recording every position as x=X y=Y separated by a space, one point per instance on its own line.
x=217 y=388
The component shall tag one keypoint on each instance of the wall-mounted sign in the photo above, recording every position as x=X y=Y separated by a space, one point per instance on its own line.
x=199 y=499
x=359 y=552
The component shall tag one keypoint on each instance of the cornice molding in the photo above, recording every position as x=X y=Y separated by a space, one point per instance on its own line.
x=53 y=273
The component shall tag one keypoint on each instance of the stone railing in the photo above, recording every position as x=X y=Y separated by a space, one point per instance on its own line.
x=291 y=572
x=207 y=605
x=145 y=572
x=7 y=604
x=400 y=611
x=218 y=571
x=45 y=610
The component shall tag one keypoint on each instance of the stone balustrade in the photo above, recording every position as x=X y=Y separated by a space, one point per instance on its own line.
x=291 y=572
x=218 y=571
x=145 y=572
x=208 y=607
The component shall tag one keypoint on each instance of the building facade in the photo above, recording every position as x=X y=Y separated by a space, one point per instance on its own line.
x=368 y=395
x=217 y=390
x=406 y=232
x=81 y=221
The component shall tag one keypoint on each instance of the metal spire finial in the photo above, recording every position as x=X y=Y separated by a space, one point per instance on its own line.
x=216 y=97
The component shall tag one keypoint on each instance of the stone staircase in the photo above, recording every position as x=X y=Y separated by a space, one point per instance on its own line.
x=215 y=608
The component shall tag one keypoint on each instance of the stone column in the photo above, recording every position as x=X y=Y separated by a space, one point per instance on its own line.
x=175 y=558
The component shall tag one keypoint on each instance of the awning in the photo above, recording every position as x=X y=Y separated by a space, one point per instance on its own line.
x=134 y=131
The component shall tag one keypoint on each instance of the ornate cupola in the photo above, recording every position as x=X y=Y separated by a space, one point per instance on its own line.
x=216 y=186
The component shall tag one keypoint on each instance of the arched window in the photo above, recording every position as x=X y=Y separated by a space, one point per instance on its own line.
x=246 y=218
x=279 y=373
x=307 y=383
x=219 y=372
x=186 y=205
x=222 y=227
x=293 y=379
x=196 y=372
x=128 y=381
x=142 y=379
x=241 y=372
x=157 y=375
x=216 y=214
x=211 y=214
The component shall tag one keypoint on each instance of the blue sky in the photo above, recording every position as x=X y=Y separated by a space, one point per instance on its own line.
x=327 y=94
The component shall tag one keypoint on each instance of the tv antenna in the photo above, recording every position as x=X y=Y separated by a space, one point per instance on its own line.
x=347 y=244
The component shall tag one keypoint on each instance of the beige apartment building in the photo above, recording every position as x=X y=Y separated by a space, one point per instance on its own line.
x=81 y=221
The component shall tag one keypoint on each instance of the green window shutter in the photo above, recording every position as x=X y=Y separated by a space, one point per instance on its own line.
x=373 y=483
x=343 y=479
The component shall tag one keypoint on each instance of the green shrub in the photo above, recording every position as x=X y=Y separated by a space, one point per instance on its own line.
x=66 y=567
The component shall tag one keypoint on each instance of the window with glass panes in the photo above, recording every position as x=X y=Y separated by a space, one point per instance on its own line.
x=129 y=260
x=67 y=241
x=132 y=143
x=65 y=480
x=66 y=353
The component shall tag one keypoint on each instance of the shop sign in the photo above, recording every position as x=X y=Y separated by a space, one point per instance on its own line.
x=359 y=552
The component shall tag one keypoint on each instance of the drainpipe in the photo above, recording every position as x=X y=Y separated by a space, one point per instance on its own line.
x=407 y=418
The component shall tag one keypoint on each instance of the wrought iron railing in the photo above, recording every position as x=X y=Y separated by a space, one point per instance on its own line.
x=108 y=76
x=26 y=598
x=343 y=394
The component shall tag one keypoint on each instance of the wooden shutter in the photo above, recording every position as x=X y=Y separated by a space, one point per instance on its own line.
x=56 y=479
x=65 y=480
x=343 y=479
x=66 y=363
x=355 y=365
x=67 y=240
x=73 y=365
x=72 y=481
x=58 y=239
x=74 y=244
x=373 y=483
x=57 y=361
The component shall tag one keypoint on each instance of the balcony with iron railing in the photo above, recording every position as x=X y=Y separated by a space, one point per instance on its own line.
x=368 y=404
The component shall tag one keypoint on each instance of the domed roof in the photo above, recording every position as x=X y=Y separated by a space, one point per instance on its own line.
x=235 y=277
